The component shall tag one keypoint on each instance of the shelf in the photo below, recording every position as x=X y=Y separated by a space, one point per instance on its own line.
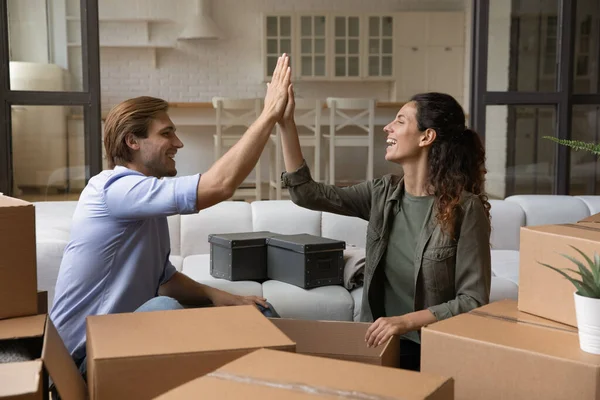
x=130 y=45
x=125 y=19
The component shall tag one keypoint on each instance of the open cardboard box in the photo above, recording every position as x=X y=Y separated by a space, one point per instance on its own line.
x=340 y=340
x=544 y=292
x=18 y=263
x=497 y=352
x=49 y=357
x=269 y=374
x=141 y=355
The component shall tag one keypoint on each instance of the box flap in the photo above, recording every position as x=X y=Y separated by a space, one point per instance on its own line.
x=22 y=327
x=591 y=218
x=328 y=337
x=496 y=325
x=182 y=332
x=20 y=378
x=6 y=201
x=61 y=367
x=280 y=374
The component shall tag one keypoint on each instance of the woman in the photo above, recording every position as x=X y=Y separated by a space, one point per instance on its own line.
x=427 y=251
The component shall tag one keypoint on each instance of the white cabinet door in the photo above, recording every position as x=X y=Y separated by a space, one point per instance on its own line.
x=411 y=28
x=446 y=70
x=413 y=71
x=446 y=28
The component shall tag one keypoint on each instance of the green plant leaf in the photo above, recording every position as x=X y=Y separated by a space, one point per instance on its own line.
x=576 y=144
x=585 y=273
x=588 y=285
x=596 y=268
x=578 y=284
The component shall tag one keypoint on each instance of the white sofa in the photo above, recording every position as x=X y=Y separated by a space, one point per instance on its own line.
x=190 y=247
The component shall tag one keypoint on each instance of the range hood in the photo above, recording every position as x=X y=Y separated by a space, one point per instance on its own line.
x=201 y=25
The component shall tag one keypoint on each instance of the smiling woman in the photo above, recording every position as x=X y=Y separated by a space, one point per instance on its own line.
x=428 y=254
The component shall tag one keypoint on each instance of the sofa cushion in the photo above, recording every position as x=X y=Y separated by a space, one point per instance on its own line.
x=505 y=264
x=507 y=220
x=174 y=222
x=198 y=268
x=550 y=209
x=503 y=289
x=225 y=217
x=323 y=303
x=49 y=254
x=592 y=203
x=177 y=262
x=352 y=230
x=357 y=297
x=53 y=219
x=285 y=217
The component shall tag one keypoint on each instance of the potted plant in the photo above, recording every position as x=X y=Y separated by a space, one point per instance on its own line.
x=586 y=280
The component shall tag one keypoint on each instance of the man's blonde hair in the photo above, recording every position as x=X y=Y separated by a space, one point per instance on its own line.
x=131 y=116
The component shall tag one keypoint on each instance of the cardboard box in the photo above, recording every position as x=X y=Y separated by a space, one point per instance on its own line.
x=42 y=301
x=544 y=292
x=339 y=340
x=497 y=352
x=18 y=275
x=141 y=355
x=38 y=337
x=268 y=374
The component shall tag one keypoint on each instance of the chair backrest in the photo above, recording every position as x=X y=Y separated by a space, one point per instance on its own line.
x=360 y=106
x=236 y=112
x=308 y=114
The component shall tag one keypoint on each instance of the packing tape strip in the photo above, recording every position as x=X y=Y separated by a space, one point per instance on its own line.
x=516 y=320
x=300 y=387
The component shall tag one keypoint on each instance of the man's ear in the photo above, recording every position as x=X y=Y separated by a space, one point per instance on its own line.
x=428 y=137
x=132 y=141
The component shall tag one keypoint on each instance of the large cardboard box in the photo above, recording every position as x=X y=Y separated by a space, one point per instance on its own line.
x=18 y=276
x=268 y=374
x=498 y=352
x=339 y=340
x=544 y=292
x=141 y=355
x=36 y=339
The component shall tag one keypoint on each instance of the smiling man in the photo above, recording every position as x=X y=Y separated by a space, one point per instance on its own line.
x=117 y=259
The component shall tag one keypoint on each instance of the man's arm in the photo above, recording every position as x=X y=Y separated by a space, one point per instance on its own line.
x=228 y=173
x=189 y=292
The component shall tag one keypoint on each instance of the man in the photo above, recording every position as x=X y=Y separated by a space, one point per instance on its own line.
x=117 y=259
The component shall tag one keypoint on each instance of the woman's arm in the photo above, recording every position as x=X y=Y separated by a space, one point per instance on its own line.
x=305 y=192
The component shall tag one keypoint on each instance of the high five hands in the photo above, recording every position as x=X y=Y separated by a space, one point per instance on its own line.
x=279 y=100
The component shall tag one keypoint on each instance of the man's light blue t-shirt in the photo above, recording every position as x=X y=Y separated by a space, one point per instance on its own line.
x=118 y=253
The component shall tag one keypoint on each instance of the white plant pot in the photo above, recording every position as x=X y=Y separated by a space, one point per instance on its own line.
x=588 y=323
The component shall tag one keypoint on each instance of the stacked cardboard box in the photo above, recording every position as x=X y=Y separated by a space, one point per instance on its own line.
x=31 y=348
x=529 y=349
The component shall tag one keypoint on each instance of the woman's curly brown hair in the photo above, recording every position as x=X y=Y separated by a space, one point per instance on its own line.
x=456 y=159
